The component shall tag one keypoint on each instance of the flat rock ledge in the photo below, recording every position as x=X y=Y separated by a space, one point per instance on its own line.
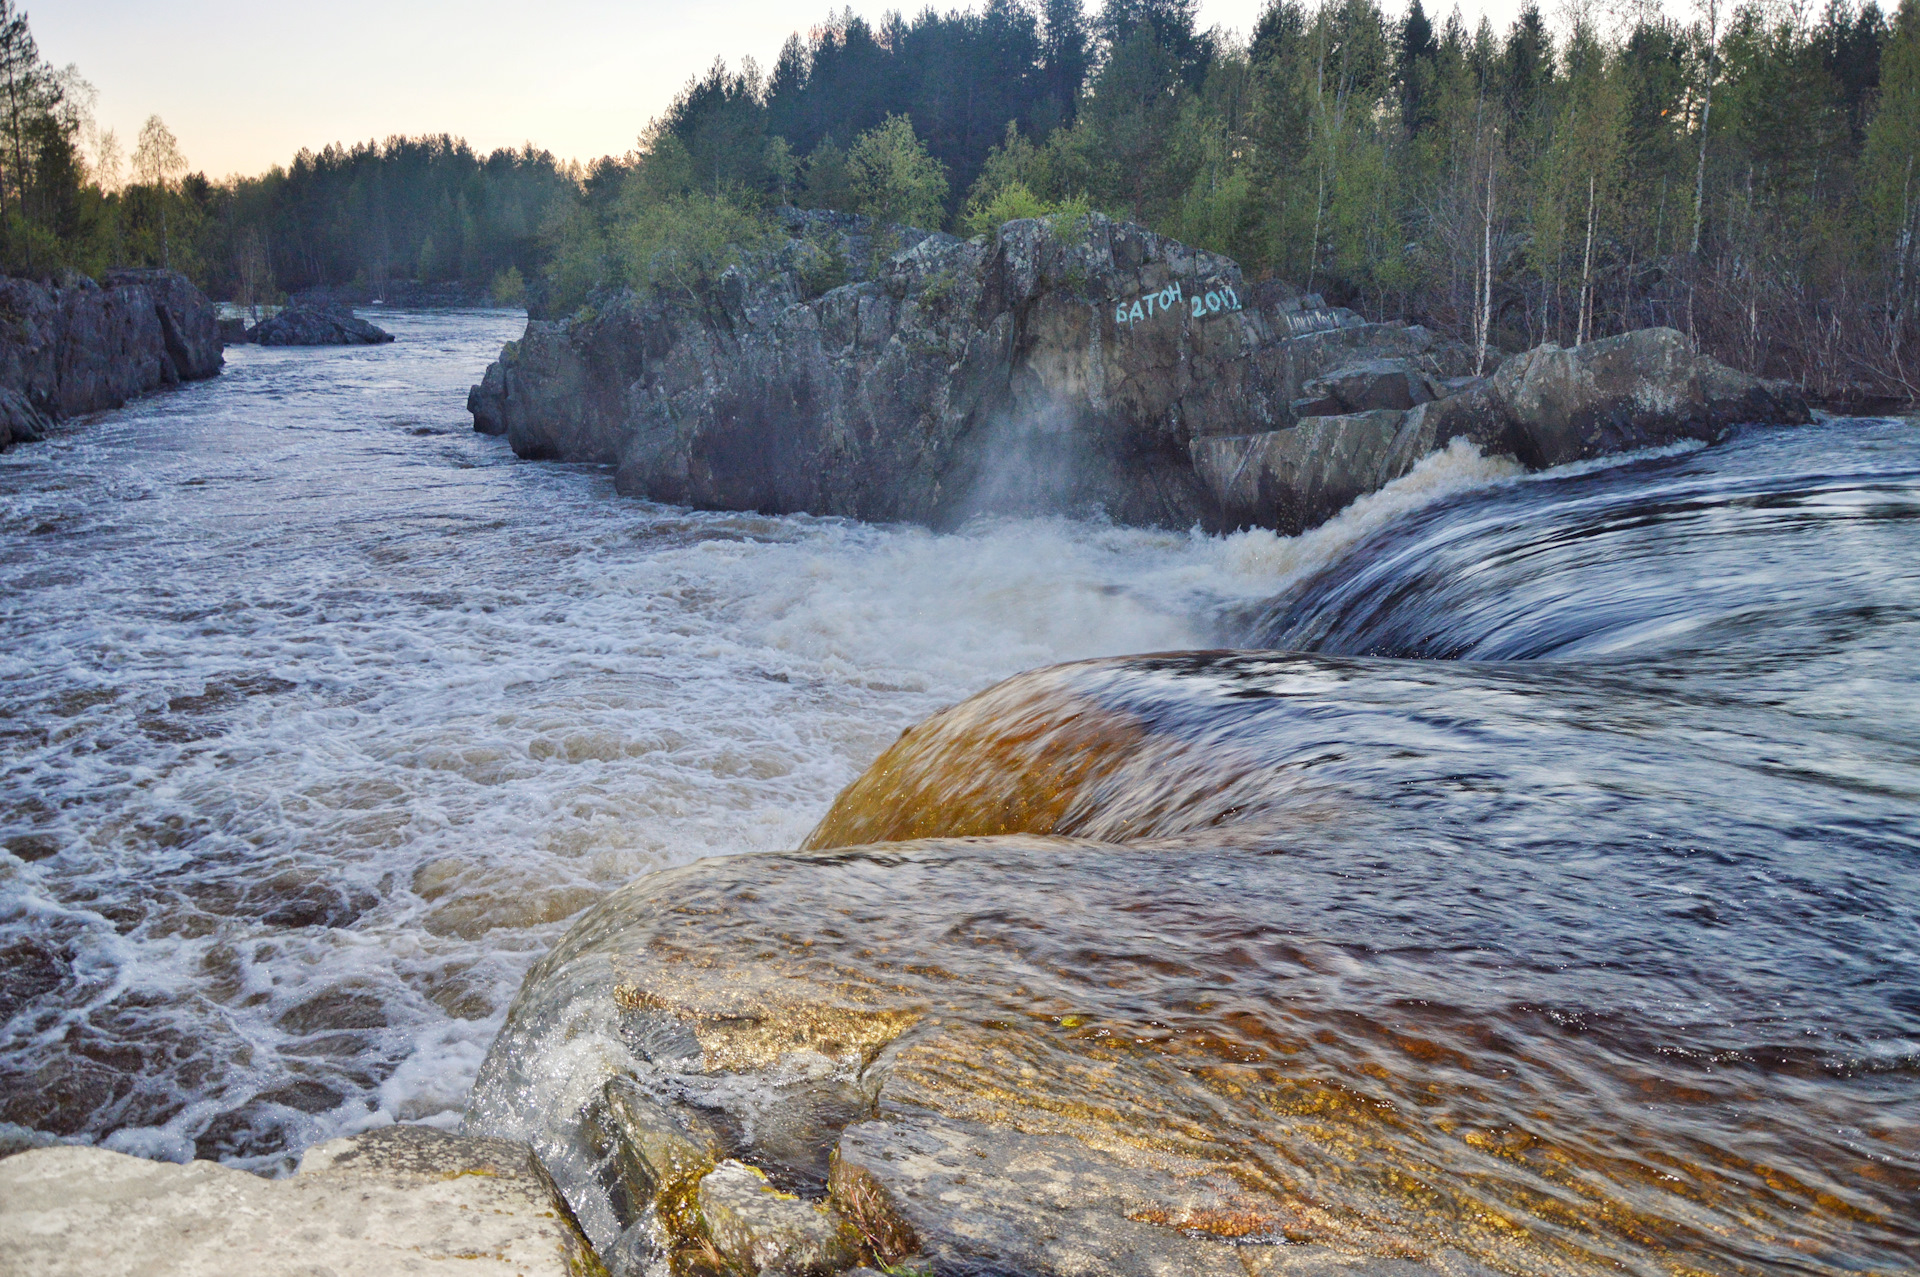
x=404 y=1200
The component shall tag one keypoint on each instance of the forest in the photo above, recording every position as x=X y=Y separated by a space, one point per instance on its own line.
x=1743 y=172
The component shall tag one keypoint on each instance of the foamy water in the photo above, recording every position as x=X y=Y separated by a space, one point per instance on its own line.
x=323 y=714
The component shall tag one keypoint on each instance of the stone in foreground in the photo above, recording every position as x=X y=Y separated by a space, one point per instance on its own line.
x=405 y=1200
x=760 y=1228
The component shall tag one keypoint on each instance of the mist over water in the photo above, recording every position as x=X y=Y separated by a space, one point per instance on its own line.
x=322 y=716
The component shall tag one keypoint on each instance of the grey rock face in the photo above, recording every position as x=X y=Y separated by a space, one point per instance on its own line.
x=1638 y=390
x=887 y=373
x=1372 y=384
x=188 y=325
x=1035 y=371
x=400 y=1200
x=1545 y=407
x=1293 y=479
x=20 y=421
x=316 y=326
x=81 y=348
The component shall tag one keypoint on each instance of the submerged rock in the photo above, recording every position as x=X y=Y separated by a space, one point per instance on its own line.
x=761 y=1229
x=406 y=1199
x=80 y=347
x=316 y=326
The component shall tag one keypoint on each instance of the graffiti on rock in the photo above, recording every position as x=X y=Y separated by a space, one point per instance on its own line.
x=1173 y=297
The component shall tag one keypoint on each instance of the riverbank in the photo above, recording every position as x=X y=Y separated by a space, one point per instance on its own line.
x=81 y=346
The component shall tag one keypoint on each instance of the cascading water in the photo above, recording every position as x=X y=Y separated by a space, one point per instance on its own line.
x=1599 y=793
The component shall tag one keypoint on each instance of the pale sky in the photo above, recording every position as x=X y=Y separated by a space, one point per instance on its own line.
x=244 y=86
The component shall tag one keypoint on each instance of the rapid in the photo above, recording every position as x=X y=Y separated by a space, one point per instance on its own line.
x=323 y=715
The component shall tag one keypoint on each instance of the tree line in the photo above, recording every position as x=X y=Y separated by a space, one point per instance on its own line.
x=1745 y=173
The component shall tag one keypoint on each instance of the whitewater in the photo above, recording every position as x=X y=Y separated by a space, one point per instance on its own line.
x=323 y=714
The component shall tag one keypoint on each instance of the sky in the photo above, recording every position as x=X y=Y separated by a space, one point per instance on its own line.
x=245 y=86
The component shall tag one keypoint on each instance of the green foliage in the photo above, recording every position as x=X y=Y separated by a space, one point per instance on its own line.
x=677 y=248
x=509 y=288
x=1528 y=184
x=1005 y=205
x=822 y=266
x=892 y=178
x=828 y=182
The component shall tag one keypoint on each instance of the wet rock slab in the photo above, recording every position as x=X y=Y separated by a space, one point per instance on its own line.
x=405 y=1200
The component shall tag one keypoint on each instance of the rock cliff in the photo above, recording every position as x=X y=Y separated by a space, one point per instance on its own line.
x=890 y=373
x=85 y=346
x=1040 y=369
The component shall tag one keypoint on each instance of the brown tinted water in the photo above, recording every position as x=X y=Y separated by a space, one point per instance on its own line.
x=1593 y=952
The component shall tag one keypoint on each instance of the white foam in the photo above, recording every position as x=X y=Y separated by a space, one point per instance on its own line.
x=501 y=692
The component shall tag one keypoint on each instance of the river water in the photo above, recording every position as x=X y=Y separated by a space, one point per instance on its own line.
x=322 y=715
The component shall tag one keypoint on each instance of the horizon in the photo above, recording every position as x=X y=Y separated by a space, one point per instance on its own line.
x=582 y=101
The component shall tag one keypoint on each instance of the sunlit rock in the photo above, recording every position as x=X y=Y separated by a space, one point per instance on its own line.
x=762 y=1229
x=404 y=1199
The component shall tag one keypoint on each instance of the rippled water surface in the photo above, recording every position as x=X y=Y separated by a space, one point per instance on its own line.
x=320 y=714
x=1587 y=940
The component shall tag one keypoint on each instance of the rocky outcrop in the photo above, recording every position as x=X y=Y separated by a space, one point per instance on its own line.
x=889 y=373
x=82 y=347
x=1007 y=1013
x=406 y=1199
x=1546 y=407
x=316 y=326
x=189 y=326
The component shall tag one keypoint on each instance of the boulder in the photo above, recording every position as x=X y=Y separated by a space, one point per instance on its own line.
x=1544 y=407
x=760 y=1228
x=1369 y=385
x=20 y=421
x=316 y=326
x=404 y=1200
x=1640 y=389
x=1296 y=478
x=892 y=373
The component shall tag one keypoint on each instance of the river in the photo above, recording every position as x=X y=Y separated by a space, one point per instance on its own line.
x=322 y=714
